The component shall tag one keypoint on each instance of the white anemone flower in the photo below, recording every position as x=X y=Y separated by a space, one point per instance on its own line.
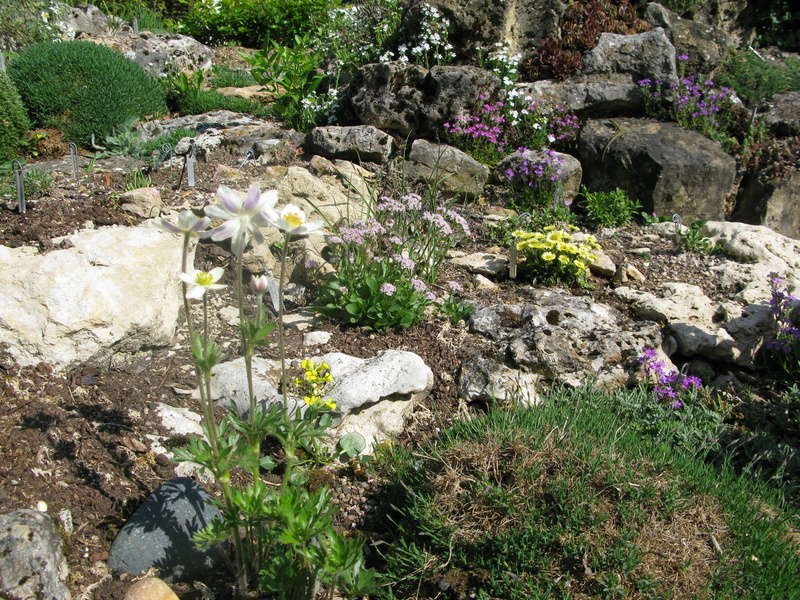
x=187 y=224
x=242 y=215
x=293 y=221
x=199 y=282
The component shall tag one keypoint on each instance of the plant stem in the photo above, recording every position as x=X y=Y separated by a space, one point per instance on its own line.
x=280 y=323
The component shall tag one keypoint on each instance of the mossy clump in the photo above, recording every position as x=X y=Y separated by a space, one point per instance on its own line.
x=83 y=89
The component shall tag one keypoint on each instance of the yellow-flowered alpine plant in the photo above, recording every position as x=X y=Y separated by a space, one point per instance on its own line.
x=553 y=255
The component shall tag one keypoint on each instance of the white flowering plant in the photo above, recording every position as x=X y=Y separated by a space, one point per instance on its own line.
x=553 y=256
x=386 y=265
x=283 y=540
x=431 y=45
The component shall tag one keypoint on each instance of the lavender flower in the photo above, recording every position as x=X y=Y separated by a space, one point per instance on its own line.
x=388 y=289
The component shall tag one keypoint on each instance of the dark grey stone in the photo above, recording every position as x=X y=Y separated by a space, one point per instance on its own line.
x=32 y=566
x=159 y=534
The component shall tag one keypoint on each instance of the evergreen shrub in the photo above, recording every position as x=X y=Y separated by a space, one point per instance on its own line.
x=13 y=119
x=83 y=89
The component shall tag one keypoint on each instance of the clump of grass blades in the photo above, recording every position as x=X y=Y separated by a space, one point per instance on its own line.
x=566 y=501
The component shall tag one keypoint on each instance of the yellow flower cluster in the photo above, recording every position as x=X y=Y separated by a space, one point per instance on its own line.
x=316 y=376
x=564 y=252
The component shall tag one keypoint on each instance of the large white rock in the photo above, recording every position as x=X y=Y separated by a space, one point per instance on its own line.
x=373 y=396
x=116 y=289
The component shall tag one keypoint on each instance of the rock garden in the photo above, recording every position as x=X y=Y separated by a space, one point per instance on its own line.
x=306 y=300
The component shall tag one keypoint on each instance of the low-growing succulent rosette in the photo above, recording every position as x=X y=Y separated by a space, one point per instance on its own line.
x=556 y=255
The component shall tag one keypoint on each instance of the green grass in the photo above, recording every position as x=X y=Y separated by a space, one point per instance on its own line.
x=566 y=500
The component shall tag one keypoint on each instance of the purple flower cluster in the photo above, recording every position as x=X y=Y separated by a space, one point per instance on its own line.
x=358 y=232
x=670 y=384
x=689 y=98
x=782 y=304
x=564 y=125
x=532 y=173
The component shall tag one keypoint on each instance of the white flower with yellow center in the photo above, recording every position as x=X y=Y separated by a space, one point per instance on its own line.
x=293 y=221
x=199 y=282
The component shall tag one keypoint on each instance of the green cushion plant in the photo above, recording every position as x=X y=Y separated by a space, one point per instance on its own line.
x=83 y=89
x=13 y=119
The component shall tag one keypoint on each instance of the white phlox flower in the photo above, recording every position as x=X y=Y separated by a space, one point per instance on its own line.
x=199 y=282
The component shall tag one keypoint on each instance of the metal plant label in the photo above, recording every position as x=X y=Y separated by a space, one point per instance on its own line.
x=19 y=180
x=135 y=24
x=2 y=61
x=190 y=162
x=73 y=155
x=512 y=262
x=247 y=158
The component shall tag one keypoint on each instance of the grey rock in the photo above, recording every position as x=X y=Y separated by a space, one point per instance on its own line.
x=642 y=55
x=408 y=99
x=705 y=45
x=88 y=19
x=603 y=265
x=591 y=96
x=229 y=384
x=568 y=339
x=483 y=263
x=159 y=534
x=783 y=116
x=33 y=566
x=316 y=338
x=774 y=203
x=733 y=17
x=666 y=168
x=160 y=54
x=487 y=380
x=144 y=202
x=457 y=172
x=478 y=24
x=570 y=171
x=179 y=421
x=360 y=143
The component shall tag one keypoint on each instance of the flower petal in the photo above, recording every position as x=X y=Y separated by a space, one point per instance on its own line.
x=227 y=230
x=253 y=198
x=195 y=292
x=216 y=273
x=218 y=212
x=230 y=199
x=239 y=241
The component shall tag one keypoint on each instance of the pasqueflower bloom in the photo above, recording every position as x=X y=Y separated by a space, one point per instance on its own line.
x=199 y=282
x=242 y=215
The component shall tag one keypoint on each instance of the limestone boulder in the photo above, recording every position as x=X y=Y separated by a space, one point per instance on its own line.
x=705 y=45
x=783 y=116
x=373 y=396
x=568 y=339
x=774 y=203
x=591 y=96
x=359 y=143
x=641 y=55
x=483 y=379
x=409 y=100
x=478 y=24
x=116 y=289
x=733 y=17
x=668 y=169
x=456 y=171
x=160 y=54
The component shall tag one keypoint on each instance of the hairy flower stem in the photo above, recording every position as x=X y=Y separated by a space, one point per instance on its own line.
x=184 y=260
x=284 y=391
